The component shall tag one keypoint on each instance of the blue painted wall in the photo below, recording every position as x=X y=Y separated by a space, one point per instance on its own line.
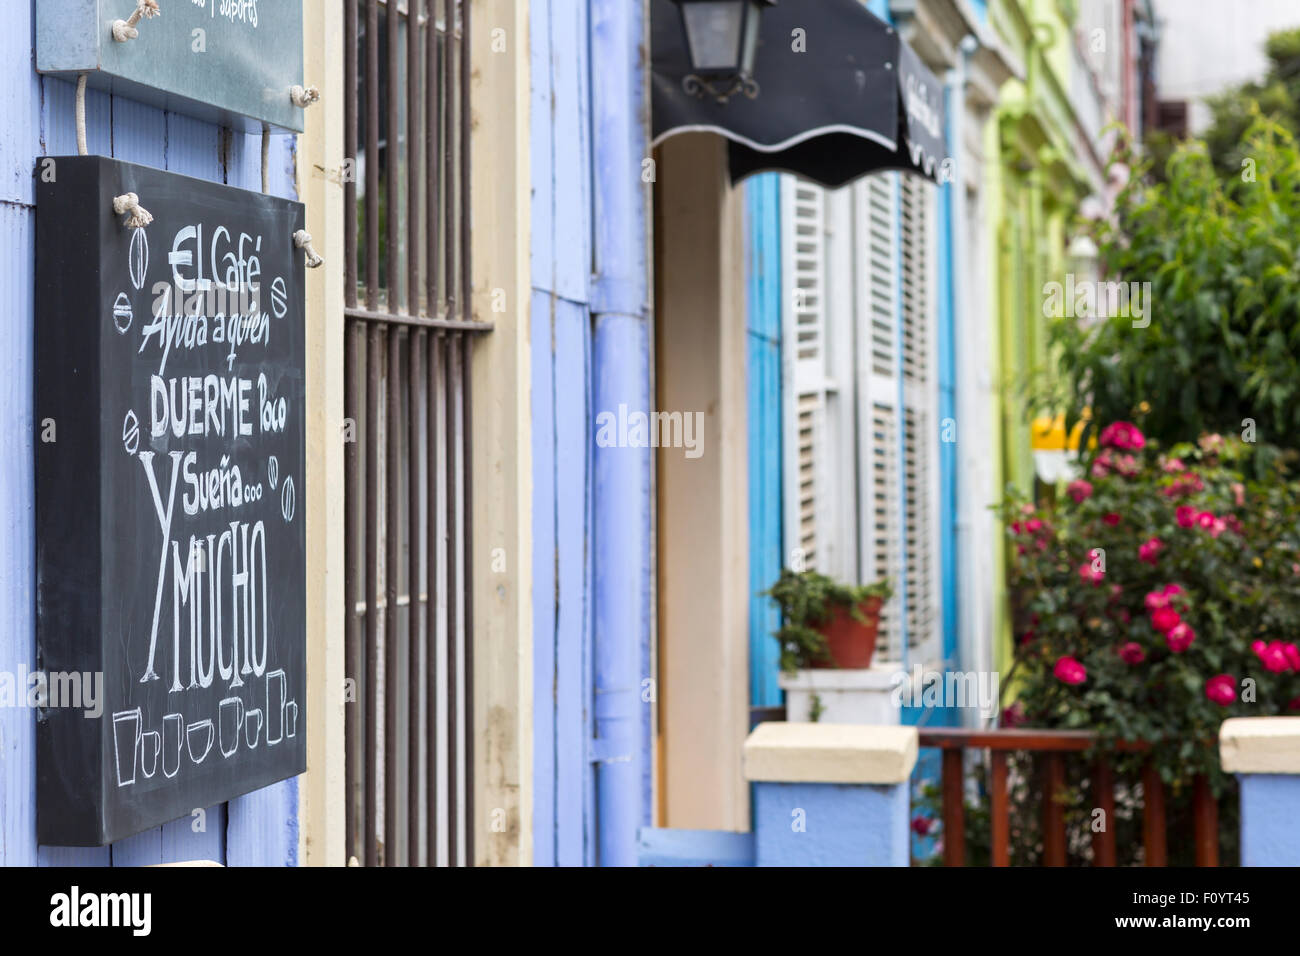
x=591 y=506
x=36 y=119
x=564 y=797
x=763 y=381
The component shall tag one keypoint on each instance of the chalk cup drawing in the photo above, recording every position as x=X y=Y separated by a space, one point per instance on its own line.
x=172 y=740
x=199 y=730
x=232 y=722
x=126 y=740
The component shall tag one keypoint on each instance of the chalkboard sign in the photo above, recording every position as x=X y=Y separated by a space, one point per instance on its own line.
x=169 y=498
x=225 y=61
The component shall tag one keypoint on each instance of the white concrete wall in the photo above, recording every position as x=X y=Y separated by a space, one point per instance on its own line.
x=1207 y=46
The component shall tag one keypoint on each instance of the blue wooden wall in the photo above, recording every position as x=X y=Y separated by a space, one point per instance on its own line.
x=36 y=119
x=563 y=576
x=763 y=381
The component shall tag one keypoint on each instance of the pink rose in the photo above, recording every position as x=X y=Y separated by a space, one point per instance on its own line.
x=1070 y=671
x=1239 y=493
x=1205 y=520
x=1173 y=465
x=1222 y=689
x=1292 y=656
x=1185 y=515
x=1127 y=465
x=1122 y=435
x=1149 y=551
x=1091 y=575
x=1034 y=525
x=1273 y=657
x=1165 y=619
x=1172 y=590
x=1079 y=490
x=1258 y=647
x=1132 y=653
x=1015 y=527
x=921 y=826
x=1180 y=637
x=1156 y=600
x=1111 y=518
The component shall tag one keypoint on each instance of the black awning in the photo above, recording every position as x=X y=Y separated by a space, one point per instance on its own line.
x=857 y=101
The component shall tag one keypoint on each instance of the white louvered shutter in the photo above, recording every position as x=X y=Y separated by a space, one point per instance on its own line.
x=879 y=484
x=920 y=420
x=803 y=361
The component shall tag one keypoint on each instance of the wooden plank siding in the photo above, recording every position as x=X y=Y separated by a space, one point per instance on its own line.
x=561 y=363
x=38 y=121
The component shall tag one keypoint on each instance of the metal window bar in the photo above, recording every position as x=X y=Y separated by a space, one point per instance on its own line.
x=409 y=710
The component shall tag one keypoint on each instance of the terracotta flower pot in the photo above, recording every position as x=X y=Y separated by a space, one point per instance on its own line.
x=850 y=642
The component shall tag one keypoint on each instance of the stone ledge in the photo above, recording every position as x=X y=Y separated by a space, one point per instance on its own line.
x=829 y=753
x=878 y=677
x=1260 y=745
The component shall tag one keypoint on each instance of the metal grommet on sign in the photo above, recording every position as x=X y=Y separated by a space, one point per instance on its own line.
x=302 y=239
x=124 y=30
x=303 y=96
x=128 y=205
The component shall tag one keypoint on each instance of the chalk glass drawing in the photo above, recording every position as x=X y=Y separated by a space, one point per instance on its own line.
x=291 y=718
x=150 y=743
x=273 y=471
x=287 y=498
x=279 y=297
x=232 y=720
x=252 y=726
x=172 y=738
x=202 y=730
x=138 y=258
x=122 y=313
x=131 y=433
x=275 y=694
x=126 y=739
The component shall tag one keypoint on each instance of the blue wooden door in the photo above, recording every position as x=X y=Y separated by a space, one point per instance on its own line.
x=763 y=338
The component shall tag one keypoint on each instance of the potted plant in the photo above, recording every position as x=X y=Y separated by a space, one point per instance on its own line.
x=827 y=624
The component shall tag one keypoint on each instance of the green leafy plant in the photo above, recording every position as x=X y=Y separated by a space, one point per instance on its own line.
x=807 y=599
x=1158 y=596
x=1222 y=348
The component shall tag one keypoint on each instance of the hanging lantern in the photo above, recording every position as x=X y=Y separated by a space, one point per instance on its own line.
x=722 y=38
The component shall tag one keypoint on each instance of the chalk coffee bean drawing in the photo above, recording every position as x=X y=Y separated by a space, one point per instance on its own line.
x=131 y=433
x=138 y=258
x=122 y=313
x=273 y=471
x=287 y=498
x=279 y=296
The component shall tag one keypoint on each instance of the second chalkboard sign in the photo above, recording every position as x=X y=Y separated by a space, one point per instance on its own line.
x=171 y=581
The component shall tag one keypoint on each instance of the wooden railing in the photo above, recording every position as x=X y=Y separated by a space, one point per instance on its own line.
x=1051 y=748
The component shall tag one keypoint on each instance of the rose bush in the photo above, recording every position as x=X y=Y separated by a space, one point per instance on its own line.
x=1157 y=597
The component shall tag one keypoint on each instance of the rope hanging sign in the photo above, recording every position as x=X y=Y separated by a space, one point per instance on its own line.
x=233 y=64
x=171 y=353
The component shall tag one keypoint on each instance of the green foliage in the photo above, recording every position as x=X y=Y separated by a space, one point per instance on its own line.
x=806 y=599
x=1277 y=96
x=1223 y=346
x=1086 y=584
